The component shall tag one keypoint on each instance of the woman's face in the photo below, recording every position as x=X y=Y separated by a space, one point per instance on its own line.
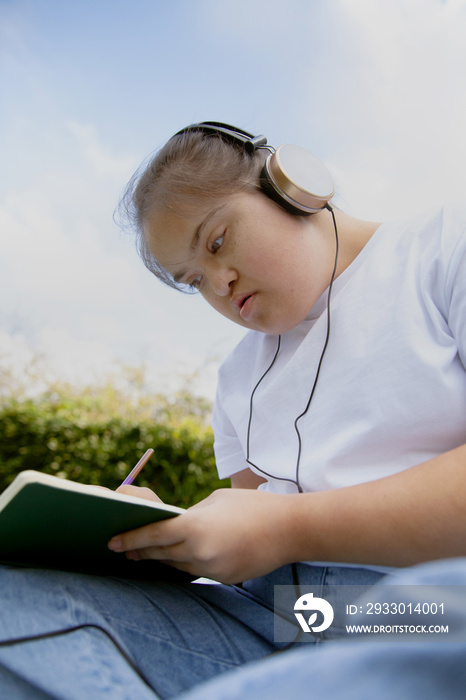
x=253 y=262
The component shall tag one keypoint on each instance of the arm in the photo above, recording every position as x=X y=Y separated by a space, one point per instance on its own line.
x=416 y=515
x=235 y=534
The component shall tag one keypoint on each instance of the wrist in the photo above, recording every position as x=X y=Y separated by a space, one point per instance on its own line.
x=301 y=535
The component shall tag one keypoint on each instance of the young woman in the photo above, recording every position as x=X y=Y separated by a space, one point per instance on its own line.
x=339 y=418
x=379 y=453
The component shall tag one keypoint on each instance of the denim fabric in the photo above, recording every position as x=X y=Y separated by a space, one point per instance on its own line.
x=177 y=635
x=361 y=671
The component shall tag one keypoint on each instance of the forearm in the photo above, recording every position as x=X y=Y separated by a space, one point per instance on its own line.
x=241 y=533
x=416 y=515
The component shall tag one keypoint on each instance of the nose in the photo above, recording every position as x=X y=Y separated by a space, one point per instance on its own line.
x=221 y=279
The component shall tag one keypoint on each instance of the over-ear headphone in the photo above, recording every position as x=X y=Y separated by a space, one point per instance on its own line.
x=294 y=178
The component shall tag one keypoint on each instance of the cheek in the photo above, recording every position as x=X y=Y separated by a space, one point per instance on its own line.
x=220 y=304
x=265 y=261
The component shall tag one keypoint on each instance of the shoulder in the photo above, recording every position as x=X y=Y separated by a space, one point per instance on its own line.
x=431 y=251
x=439 y=236
x=427 y=240
x=442 y=223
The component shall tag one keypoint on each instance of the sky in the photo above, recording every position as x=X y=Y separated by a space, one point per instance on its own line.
x=89 y=88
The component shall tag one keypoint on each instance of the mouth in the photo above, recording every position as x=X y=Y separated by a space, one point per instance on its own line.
x=245 y=305
x=239 y=301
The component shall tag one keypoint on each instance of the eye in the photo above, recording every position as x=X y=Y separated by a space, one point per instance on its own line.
x=217 y=244
x=196 y=283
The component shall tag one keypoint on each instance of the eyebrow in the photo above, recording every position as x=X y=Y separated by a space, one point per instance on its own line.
x=193 y=246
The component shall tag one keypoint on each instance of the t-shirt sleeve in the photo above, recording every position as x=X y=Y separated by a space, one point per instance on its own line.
x=229 y=453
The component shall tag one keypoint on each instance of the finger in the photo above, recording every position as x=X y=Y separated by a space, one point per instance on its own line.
x=139 y=492
x=154 y=535
x=186 y=566
x=171 y=554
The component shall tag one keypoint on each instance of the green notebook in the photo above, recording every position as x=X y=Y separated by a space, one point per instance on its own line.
x=55 y=523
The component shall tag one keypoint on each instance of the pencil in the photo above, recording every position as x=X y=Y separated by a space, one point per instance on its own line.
x=139 y=466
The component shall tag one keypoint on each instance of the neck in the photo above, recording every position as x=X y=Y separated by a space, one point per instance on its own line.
x=353 y=234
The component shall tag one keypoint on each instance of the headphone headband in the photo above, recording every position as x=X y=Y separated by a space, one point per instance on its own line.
x=232 y=133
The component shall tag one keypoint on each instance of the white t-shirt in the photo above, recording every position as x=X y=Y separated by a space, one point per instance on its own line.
x=392 y=388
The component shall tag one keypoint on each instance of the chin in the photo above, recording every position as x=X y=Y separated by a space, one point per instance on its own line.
x=278 y=328
x=269 y=328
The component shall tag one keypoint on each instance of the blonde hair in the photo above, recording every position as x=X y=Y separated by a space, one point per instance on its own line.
x=191 y=172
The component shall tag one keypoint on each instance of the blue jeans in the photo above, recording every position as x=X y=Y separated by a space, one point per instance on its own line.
x=344 y=670
x=125 y=639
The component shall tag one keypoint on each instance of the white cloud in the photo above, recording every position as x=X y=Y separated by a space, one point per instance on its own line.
x=406 y=109
x=48 y=261
x=63 y=257
x=103 y=163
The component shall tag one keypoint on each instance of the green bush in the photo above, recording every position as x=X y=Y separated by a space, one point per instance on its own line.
x=74 y=437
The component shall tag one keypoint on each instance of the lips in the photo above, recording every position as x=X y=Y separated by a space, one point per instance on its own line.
x=245 y=306
x=239 y=300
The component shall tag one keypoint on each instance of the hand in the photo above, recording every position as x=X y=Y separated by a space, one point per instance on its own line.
x=231 y=536
x=139 y=492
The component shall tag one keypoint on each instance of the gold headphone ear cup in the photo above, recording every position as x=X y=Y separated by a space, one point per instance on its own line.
x=297 y=180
